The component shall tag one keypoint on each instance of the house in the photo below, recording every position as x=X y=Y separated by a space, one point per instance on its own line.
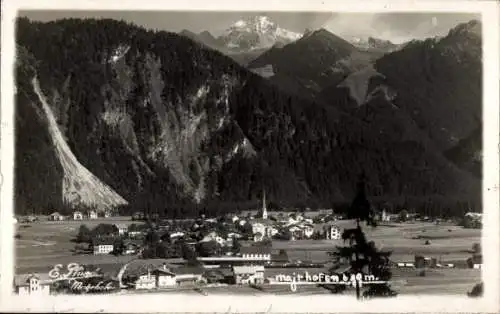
x=476 y=261
x=473 y=220
x=253 y=274
x=56 y=217
x=264 y=227
x=131 y=248
x=235 y=219
x=77 y=215
x=219 y=275
x=176 y=235
x=145 y=281
x=296 y=231
x=32 y=285
x=258 y=237
x=188 y=275
x=423 y=261
x=102 y=246
x=291 y=221
x=164 y=277
x=332 y=232
x=138 y=216
x=256 y=252
x=135 y=234
x=92 y=214
x=308 y=230
x=234 y=235
x=384 y=217
x=122 y=229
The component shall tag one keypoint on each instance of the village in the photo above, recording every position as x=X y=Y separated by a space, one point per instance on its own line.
x=246 y=250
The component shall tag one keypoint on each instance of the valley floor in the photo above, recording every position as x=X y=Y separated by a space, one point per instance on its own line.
x=45 y=244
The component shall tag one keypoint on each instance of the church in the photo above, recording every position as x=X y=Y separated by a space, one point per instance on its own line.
x=263 y=227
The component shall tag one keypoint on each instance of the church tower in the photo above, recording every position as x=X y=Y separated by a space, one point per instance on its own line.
x=264 y=208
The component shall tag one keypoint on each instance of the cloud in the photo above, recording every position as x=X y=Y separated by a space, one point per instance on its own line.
x=397 y=27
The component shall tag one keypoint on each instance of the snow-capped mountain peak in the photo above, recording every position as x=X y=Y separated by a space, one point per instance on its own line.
x=261 y=24
x=257 y=32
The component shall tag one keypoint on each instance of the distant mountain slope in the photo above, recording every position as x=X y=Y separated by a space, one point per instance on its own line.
x=315 y=61
x=437 y=82
x=171 y=125
x=375 y=45
x=467 y=153
x=205 y=38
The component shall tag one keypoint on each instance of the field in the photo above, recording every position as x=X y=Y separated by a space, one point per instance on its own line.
x=47 y=243
x=448 y=243
x=44 y=244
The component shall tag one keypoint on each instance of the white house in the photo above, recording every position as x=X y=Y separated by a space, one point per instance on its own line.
x=164 y=277
x=122 y=229
x=145 y=281
x=333 y=232
x=188 y=275
x=56 y=217
x=213 y=236
x=92 y=214
x=102 y=247
x=77 y=215
x=291 y=221
x=249 y=274
x=235 y=219
x=308 y=230
x=264 y=227
x=33 y=285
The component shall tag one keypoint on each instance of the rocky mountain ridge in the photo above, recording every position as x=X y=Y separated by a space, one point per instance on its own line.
x=165 y=122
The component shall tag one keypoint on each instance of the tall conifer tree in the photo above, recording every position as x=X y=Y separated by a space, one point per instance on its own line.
x=362 y=255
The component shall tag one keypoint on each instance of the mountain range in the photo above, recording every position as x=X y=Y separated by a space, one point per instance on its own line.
x=110 y=115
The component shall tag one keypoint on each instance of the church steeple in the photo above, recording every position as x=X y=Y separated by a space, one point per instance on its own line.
x=264 y=208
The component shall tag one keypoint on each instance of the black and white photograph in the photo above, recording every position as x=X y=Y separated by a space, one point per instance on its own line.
x=253 y=153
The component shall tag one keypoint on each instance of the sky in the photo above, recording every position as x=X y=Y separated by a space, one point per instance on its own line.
x=397 y=27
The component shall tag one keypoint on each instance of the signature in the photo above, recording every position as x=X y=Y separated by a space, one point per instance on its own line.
x=79 y=279
x=74 y=271
x=100 y=286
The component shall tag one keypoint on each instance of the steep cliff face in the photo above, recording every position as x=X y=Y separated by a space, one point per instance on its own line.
x=131 y=136
x=154 y=119
x=79 y=186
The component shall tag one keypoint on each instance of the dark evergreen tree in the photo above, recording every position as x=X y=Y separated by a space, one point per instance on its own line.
x=363 y=256
x=236 y=246
x=118 y=246
x=84 y=234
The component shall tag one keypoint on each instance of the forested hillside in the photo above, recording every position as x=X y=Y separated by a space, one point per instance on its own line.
x=172 y=126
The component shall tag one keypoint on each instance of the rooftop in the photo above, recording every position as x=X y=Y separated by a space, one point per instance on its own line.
x=247 y=269
x=267 y=222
